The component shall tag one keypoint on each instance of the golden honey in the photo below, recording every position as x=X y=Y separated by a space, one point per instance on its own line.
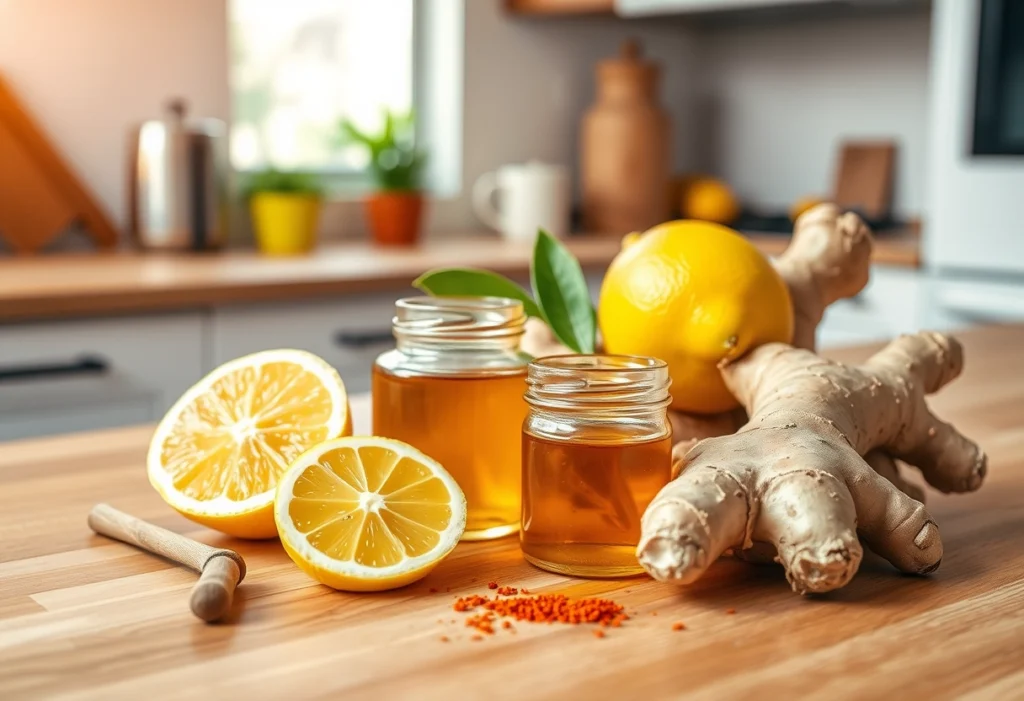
x=471 y=425
x=596 y=448
x=583 y=503
x=453 y=388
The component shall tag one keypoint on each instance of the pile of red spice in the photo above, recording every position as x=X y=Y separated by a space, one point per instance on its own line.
x=539 y=608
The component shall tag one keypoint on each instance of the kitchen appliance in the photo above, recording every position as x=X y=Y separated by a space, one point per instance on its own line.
x=974 y=235
x=178 y=182
x=625 y=148
x=999 y=88
x=531 y=196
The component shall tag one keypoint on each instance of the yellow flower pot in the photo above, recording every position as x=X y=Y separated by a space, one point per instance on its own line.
x=285 y=223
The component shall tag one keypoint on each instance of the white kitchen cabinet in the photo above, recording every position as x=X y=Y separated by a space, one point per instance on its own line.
x=63 y=376
x=959 y=302
x=349 y=332
x=888 y=306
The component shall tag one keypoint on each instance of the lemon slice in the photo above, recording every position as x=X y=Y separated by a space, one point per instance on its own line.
x=368 y=513
x=218 y=454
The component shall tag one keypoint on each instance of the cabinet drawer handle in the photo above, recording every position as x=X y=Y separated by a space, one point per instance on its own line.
x=83 y=365
x=362 y=339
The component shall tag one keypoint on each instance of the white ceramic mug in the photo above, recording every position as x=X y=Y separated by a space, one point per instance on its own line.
x=530 y=196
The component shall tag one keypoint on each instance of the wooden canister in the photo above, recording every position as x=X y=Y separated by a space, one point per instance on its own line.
x=625 y=148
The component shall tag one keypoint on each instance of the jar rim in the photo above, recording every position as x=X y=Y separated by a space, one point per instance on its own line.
x=458 y=318
x=604 y=362
x=579 y=382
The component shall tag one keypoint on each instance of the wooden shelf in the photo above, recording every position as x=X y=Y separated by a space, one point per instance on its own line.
x=560 y=7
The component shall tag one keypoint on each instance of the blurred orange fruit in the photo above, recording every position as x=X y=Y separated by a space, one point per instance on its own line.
x=803 y=204
x=710 y=200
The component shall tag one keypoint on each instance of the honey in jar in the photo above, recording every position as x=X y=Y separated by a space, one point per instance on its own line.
x=453 y=388
x=596 y=450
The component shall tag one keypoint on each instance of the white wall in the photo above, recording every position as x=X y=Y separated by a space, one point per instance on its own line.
x=528 y=83
x=777 y=98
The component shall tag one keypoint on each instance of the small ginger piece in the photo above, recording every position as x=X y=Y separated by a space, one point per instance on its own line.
x=828 y=259
x=793 y=478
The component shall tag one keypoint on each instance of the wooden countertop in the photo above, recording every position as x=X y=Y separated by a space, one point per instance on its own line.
x=83 y=616
x=126 y=282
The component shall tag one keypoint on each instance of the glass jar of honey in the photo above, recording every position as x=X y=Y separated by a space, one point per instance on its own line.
x=453 y=388
x=597 y=447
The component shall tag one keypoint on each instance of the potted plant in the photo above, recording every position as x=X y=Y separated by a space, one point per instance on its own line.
x=285 y=208
x=396 y=165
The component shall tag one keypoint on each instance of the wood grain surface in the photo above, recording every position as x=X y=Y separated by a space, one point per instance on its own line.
x=82 y=617
x=117 y=283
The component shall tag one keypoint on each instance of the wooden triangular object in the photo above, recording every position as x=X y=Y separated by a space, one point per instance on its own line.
x=39 y=195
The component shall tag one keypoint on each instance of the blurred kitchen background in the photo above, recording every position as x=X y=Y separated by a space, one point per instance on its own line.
x=176 y=188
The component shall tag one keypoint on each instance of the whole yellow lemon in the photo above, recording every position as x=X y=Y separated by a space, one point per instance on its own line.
x=708 y=199
x=693 y=294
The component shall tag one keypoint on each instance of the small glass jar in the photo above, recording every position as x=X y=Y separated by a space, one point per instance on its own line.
x=453 y=388
x=597 y=448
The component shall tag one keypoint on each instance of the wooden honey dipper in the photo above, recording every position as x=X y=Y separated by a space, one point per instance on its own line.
x=220 y=570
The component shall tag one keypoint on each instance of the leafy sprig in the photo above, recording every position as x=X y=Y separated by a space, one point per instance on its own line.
x=560 y=295
x=281 y=181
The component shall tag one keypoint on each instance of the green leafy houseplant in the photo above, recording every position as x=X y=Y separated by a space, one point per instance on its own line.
x=560 y=296
x=280 y=181
x=395 y=162
x=396 y=165
x=285 y=208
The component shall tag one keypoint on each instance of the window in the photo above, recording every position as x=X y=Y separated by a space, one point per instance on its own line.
x=299 y=67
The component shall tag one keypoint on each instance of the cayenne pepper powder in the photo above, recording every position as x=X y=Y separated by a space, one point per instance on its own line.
x=542 y=608
x=468 y=603
x=483 y=622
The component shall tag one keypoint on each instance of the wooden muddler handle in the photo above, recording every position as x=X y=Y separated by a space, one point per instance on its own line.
x=220 y=570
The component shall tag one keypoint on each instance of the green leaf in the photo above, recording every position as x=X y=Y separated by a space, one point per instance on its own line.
x=389 y=128
x=562 y=293
x=290 y=182
x=455 y=282
x=395 y=161
x=352 y=133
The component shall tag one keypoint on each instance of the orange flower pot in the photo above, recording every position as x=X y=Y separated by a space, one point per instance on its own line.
x=395 y=217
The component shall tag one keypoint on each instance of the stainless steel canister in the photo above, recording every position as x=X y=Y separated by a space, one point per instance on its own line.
x=178 y=188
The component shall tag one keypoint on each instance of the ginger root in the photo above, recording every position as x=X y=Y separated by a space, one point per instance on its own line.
x=793 y=478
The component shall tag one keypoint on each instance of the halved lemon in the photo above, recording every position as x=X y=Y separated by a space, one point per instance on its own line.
x=218 y=454
x=368 y=513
